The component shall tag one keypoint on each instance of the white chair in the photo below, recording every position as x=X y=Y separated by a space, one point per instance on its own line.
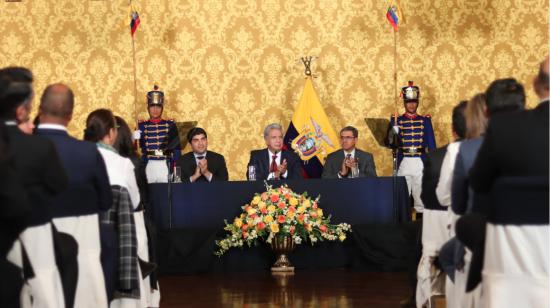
x=516 y=263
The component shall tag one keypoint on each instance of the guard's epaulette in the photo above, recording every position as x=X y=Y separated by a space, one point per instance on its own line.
x=169 y=120
x=427 y=116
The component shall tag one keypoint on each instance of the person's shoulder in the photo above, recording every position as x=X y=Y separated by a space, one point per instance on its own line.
x=363 y=153
x=214 y=154
x=257 y=152
x=334 y=153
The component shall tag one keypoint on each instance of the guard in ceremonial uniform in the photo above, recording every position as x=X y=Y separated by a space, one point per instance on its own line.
x=415 y=137
x=158 y=139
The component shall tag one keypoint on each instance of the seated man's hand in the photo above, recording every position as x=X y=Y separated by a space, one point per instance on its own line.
x=281 y=169
x=196 y=175
x=203 y=165
x=345 y=168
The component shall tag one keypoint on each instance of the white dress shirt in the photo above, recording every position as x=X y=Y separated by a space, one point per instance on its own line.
x=209 y=178
x=52 y=126
x=443 y=190
x=278 y=161
x=352 y=155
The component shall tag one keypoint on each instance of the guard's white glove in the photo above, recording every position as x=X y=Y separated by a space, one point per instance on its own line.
x=396 y=129
x=136 y=134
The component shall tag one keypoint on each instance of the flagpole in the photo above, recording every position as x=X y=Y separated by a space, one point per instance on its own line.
x=135 y=80
x=395 y=69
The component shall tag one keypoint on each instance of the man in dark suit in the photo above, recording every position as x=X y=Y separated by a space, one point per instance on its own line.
x=528 y=132
x=272 y=163
x=201 y=165
x=75 y=211
x=41 y=174
x=339 y=163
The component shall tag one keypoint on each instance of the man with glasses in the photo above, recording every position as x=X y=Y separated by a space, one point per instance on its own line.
x=341 y=163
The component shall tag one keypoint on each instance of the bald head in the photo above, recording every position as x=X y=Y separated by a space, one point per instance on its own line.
x=57 y=101
x=542 y=81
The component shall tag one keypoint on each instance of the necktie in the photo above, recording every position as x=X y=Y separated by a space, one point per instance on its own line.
x=273 y=166
x=348 y=156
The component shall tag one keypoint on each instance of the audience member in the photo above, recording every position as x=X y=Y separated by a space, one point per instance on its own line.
x=75 y=211
x=435 y=218
x=41 y=174
x=339 y=163
x=146 y=248
x=119 y=239
x=528 y=132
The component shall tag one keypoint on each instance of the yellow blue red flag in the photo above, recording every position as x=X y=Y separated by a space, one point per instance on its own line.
x=394 y=15
x=134 y=20
x=310 y=134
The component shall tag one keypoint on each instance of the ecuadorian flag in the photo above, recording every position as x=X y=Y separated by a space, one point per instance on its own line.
x=134 y=20
x=394 y=15
x=310 y=134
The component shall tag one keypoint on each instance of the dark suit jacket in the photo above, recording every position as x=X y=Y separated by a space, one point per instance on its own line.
x=516 y=144
x=89 y=190
x=430 y=178
x=40 y=172
x=333 y=164
x=14 y=205
x=461 y=194
x=216 y=165
x=260 y=159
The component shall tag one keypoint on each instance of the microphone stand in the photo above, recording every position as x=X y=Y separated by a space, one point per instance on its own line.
x=169 y=186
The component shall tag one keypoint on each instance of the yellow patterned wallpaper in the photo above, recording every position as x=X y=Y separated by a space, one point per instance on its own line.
x=231 y=65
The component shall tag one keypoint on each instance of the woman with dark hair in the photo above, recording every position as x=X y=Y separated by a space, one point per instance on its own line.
x=119 y=230
x=146 y=252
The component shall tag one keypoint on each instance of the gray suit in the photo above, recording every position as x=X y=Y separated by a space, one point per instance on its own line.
x=334 y=161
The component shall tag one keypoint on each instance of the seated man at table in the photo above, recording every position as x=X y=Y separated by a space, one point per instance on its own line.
x=201 y=165
x=339 y=163
x=272 y=163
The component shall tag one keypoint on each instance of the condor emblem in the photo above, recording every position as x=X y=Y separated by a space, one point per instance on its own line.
x=309 y=143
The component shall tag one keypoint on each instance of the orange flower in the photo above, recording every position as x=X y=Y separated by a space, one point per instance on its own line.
x=245 y=234
x=287 y=196
x=301 y=218
x=292 y=229
x=291 y=209
x=260 y=226
x=313 y=214
x=281 y=205
x=281 y=219
x=264 y=210
x=274 y=198
x=264 y=196
x=244 y=227
x=323 y=228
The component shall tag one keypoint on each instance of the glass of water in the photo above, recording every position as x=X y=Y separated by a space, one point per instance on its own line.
x=355 y=170
x=177 y=175
x=252 y=173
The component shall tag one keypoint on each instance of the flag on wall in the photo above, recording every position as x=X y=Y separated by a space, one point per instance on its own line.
x=310 y=134
x=394 y=15
x=134 y=20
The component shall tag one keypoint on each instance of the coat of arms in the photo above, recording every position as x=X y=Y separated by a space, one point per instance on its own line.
x=309 y=143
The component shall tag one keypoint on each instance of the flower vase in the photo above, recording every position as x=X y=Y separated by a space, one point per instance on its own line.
x=282 y=246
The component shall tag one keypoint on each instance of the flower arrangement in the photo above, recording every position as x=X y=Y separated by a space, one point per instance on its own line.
x=280 y=212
